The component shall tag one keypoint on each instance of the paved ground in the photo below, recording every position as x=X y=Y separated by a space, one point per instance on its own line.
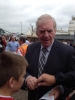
x=20 y=95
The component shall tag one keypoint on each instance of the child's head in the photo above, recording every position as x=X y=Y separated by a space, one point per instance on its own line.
x=12 y=70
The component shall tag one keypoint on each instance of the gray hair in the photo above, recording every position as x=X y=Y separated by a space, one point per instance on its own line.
x=43 y=18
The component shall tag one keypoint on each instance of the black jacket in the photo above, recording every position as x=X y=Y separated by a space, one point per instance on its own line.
x=59 y=60
x=67 y=79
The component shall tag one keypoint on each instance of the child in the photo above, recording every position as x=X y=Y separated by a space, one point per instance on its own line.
x=12 y=73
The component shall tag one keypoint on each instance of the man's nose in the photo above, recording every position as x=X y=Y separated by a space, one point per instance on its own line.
x=46 y=34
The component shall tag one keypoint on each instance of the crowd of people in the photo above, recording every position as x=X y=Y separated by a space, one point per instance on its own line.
x=46 y=65
x=13 y=45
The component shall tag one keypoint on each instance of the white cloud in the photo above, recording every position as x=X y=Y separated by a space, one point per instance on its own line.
x=12 y=12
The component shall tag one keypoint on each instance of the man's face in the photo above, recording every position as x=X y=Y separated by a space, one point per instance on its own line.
x=19 y=42
x=46 y=33
x=13 y=38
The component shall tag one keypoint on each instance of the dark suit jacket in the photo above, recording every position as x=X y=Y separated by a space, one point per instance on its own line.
x=59 y=60
x=67 y=79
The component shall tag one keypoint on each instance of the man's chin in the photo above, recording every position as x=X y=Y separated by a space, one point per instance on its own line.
x=46 y=44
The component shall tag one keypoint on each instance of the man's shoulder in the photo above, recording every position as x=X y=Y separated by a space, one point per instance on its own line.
x=64 y=46
x=34 y=45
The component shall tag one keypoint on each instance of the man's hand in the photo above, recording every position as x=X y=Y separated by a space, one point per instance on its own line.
x=56 y=92
x=30 y=80
x=45 y=80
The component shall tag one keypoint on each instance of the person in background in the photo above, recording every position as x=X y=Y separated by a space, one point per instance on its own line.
x=23 y=46
x=74 y=45
x=27 y=41
x=12 y=72
x=69 y=43
x=12 y=45
x=48 y=56
x=2 y=44
x=64 y=41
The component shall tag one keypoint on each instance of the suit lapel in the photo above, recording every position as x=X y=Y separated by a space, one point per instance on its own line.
x=51 y=56
x=36 y=55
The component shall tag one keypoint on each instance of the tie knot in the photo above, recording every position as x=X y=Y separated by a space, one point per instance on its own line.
x=44 y=50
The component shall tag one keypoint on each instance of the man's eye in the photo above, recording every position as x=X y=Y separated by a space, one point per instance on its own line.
x=43 y=31
x=49 y=31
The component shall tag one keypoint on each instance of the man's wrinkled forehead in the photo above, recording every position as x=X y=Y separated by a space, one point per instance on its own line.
x=43 y=21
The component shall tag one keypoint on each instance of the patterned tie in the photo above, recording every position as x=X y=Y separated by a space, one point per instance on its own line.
x=42 y=61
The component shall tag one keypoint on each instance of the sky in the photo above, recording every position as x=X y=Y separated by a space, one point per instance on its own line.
x=17 y=16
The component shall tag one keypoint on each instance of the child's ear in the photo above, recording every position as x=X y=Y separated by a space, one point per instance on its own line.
x=11 y=82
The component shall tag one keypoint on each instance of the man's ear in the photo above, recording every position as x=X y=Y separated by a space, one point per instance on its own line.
x=11 y=82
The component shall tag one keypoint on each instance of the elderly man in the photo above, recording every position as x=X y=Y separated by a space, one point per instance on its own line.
x=47 y=56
